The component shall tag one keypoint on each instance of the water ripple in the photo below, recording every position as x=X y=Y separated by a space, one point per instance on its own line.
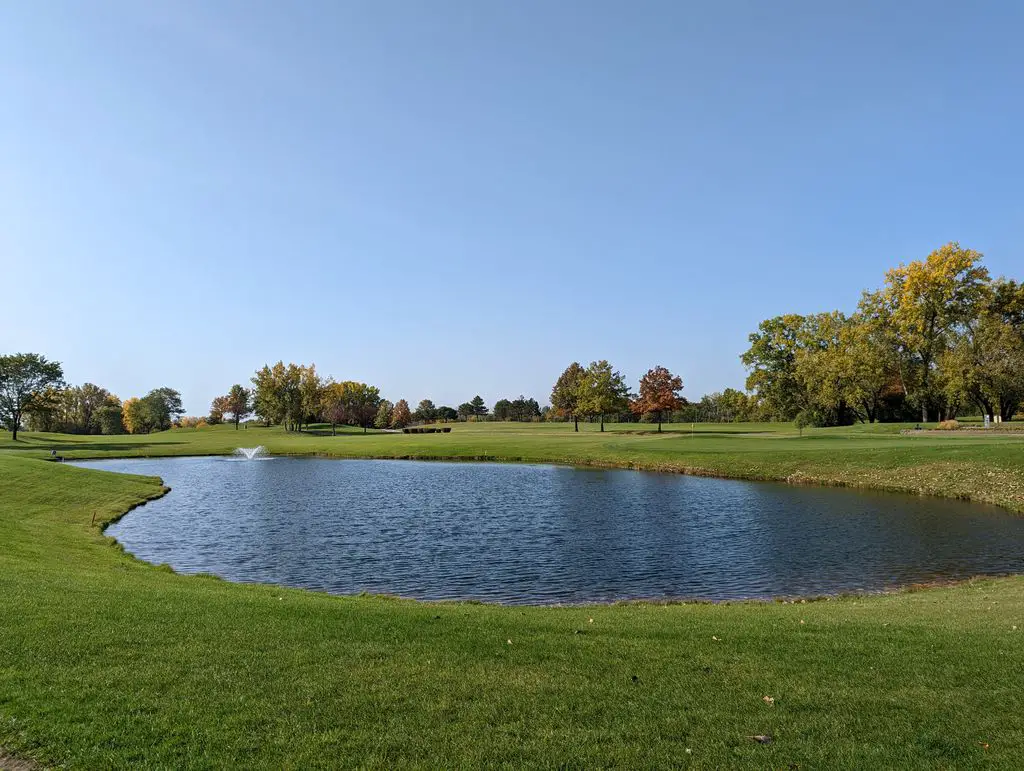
x=548 y=534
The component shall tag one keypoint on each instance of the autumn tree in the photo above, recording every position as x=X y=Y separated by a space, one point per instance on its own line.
x=334 y=405
x=238 y=403
x=218 y=407
x=23 y=378
x=362 y=402
x=659 y=393
x=400 y=415
x=984 y=363
x=565 y=394
x=602 y=391
x=134 y=416
x=310 y=392
x=277 y=394
x=926 y=302
x=47 y=412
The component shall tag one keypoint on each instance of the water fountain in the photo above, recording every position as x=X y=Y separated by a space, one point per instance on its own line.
x=252 y=453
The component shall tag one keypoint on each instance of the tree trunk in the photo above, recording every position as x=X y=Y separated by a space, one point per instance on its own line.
x=576 y=421
x=14 y=433
x=1008 y=409
x=659 y=424
x=236 y=424
x=602 y=421
x=334 y=429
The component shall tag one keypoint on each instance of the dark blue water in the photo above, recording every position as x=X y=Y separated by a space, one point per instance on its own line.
x=548 y=534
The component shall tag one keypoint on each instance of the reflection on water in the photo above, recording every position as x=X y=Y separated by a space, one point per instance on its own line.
x=548 y=534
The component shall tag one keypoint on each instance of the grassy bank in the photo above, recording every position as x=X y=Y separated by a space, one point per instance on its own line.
x=108 y=662
x=986 y=468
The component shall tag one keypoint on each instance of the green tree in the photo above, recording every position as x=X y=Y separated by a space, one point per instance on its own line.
x=659 y=393
x=502 y=409
x=565 y=394
x=24 y=377
x=160 y=407
x=602 y=391
x=479 y=408
x=383 y=417
x=523 y=409
x=771 y=359
x=823 y=371
x=85 y=400
x=109 y=417
x=446 y=414
x=425 y=411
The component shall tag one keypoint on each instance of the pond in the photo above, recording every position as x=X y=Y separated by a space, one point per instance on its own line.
x=548 y=534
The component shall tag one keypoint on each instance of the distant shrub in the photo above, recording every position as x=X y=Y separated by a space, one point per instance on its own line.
x=949 y=425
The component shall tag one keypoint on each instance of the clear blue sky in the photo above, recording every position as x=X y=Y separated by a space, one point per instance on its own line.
x=450 y=198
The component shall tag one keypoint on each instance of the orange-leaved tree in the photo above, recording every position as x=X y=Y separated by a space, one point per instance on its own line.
x=659 y=393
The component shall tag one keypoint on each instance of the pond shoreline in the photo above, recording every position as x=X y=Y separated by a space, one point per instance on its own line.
x=897 y=485
x=756 y=590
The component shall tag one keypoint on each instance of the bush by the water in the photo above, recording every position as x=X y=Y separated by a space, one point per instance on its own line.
x=949 y=425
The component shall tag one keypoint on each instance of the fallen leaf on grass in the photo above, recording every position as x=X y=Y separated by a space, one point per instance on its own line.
x=769 y=700
x=715 y=638
x=761 y=739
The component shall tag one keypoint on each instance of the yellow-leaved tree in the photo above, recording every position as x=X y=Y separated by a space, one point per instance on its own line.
x=131 y=415
x=924 y=303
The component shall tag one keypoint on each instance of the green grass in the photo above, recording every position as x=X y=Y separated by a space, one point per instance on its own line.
x=986 y=468
x=109 y=662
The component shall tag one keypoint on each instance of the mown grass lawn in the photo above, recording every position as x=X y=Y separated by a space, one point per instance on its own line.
x=109 y=662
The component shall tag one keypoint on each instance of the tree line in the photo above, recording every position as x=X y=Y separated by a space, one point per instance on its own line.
x=938 y=338
x=33 y=393
x=600 y=390
x=941 y=336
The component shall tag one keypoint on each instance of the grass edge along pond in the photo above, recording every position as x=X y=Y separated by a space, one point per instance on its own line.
x=109 y=662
